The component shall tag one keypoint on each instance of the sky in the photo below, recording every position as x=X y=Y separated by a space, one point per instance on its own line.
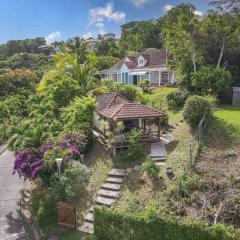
x=63 y=19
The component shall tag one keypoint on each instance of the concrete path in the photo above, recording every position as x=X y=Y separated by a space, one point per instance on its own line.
x=11 y=188
x=158 y=153
x=2 y=148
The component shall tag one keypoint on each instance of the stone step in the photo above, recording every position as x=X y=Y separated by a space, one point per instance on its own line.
x=86 y=228
x=104 y=201
x=89 y=217
x=152 y=155
x=114 y=180
x=160 y=163
x=117 y=172
x=111 y=186
x=157 y=156
x=91 y=209
x=108 y=194
x=20 y=237
x=159 y=159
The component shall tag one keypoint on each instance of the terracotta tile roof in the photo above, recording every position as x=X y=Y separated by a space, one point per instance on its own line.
x=109 y=99
x=120 y=108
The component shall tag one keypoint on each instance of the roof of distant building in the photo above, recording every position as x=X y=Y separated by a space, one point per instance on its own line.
x=115 y=106
x=154 y=58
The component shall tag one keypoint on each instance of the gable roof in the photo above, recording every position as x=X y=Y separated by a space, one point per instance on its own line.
x=153 y=57
x=107 y=100
x=114 y=106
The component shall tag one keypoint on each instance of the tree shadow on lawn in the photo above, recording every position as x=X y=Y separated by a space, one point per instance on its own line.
x=170 y=147
x=122 y=161
x=221 y=134
x=44 y=209
x=138 y=179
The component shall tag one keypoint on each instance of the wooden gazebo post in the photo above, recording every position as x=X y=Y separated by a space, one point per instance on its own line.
x=159 y=127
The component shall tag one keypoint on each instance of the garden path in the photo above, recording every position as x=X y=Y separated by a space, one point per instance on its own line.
x=107 y=195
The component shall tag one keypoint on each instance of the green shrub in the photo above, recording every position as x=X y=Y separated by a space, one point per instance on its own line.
x=72 y=183
x=209 y=80
x=176 y=99
x=188 y=183
x=195 y=108
x=129 y=92
x=134 y=150
x=142 y=226
x=144 y=84
x=150 y=168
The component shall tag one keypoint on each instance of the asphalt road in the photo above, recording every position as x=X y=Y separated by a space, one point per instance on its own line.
x=11 y=192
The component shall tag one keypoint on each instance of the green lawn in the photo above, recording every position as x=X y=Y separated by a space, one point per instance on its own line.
x=157 y=98
x=224 y=129
x=230 y=114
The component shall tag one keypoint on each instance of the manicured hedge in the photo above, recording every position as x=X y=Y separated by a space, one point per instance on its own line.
x=110 y=225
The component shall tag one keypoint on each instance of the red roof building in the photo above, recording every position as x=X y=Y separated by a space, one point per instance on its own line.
x=113 y=108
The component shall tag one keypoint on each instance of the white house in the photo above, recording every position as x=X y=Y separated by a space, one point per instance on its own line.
x=150 y=65
x=92 y=42
x=108 y=36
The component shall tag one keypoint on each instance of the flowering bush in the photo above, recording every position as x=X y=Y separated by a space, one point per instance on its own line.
x=28 y=164
x=41 y=162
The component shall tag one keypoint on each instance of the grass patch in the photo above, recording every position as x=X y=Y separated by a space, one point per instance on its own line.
x=75 y=235
x=140 y=192
x=157 y=98
x=230 y=114
x=224 y=128
x=100 y=162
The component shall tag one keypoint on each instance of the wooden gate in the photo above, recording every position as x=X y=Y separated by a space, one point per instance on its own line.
x=66 y=215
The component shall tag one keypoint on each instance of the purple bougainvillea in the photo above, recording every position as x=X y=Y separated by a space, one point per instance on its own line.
x=28 y=163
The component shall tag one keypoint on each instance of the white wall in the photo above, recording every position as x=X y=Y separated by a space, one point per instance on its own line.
x=96 y=120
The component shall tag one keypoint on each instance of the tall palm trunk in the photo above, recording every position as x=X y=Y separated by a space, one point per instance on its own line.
x=222 y=52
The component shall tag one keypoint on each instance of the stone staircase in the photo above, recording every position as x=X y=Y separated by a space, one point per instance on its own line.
x=106 y=196
x=158 y=153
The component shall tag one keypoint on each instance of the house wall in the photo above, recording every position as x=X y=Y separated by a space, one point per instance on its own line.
x=96 y=121
x=124 y=75
x=154 y=75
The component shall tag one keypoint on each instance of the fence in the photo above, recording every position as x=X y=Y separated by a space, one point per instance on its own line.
x=66 y=215
x=195 y=148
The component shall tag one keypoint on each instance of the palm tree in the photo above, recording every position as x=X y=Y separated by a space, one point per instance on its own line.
x=86 y=76
x=78 y=47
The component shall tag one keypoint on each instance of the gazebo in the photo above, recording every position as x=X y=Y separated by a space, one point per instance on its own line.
x=114 y=108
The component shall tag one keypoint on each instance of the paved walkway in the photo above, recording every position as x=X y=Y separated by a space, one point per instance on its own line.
x=158 y=153
x=11 y=188
x=2 y=148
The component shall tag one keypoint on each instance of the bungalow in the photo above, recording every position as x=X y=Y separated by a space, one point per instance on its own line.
x=150 y=65
x=114 y=109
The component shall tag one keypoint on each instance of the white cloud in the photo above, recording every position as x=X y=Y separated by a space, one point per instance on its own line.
x=52 y=37
x=168 y=7
x=99 y=25
x=102 y=13
x=97 y=16
x=198 y=13
x=117 y=16
x=139 y=3
x=87 y=35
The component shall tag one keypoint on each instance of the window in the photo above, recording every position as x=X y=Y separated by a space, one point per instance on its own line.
x=164 y=77
x=140 y=61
